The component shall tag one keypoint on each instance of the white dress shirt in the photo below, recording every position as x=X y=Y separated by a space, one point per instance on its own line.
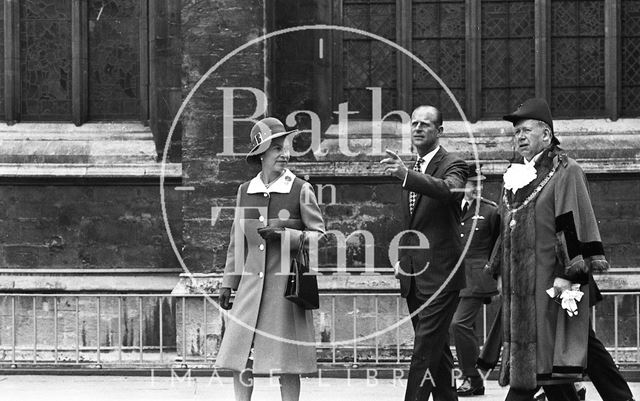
x=534 y=159
x=427 y=159
x=464 y=203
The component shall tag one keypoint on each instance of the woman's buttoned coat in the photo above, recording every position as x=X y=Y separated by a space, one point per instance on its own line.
x=280 y=331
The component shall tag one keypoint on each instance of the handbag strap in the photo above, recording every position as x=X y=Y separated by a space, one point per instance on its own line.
x=303 y=239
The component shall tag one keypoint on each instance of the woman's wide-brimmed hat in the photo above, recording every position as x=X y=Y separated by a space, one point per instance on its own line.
x=262 y=133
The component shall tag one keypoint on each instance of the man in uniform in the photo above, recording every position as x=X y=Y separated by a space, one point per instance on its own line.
x=480 y=286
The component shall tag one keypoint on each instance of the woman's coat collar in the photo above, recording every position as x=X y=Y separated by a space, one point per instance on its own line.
x=282 y=185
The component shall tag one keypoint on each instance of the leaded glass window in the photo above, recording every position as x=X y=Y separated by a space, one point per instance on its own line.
x=438 y=38
x=630 y=58
x=577 y=58
x=74 y=61
x=508 y=55
x=2 y=64
x=114 y=59
x=45 y=60
x=367 y=62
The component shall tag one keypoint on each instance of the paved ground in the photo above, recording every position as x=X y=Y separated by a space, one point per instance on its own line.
x=99 y=388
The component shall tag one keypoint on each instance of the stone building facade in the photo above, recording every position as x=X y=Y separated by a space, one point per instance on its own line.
x=94 y=169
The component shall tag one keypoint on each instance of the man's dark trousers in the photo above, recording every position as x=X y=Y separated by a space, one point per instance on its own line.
x=432 y=361
x=464 y=335
x=603 y=372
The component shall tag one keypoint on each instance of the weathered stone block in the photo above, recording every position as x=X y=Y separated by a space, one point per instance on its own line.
x=86 y=225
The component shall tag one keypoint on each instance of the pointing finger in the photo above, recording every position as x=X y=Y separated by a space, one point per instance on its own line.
x=392 y=154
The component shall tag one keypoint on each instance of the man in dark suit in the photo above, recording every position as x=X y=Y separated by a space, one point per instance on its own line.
x=430 y=251
x=480 y=286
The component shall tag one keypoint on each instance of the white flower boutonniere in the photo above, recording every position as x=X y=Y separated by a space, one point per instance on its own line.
x=518 y=176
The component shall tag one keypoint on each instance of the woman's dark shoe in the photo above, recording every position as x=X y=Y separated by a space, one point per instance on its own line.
x=471 y=386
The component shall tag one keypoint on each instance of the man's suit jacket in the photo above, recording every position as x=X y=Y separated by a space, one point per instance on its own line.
x=487 y=230
x=437 y=216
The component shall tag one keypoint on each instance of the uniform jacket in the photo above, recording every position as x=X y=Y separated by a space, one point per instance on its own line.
x=487 y=230
x=254 y=268
x=437 y=216
x=556 y=235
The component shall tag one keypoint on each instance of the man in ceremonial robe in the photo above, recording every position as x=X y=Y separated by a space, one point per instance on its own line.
x=550 y=243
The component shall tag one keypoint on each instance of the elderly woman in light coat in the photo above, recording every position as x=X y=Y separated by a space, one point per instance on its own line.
x=266 y=333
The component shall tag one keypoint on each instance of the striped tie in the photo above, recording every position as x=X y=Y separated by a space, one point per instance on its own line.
x=412 y=195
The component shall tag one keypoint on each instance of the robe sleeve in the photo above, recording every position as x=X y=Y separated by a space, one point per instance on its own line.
x=235 y=253
x=578 y=245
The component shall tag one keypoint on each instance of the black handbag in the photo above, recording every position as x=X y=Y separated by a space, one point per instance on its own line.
x=302 y=286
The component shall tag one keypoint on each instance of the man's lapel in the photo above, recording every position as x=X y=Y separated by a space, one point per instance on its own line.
x=435 y=162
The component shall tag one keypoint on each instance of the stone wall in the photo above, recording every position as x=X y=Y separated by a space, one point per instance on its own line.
x=615 y=202
x=375 y=207
x=75 y=222
x=210 y=31
x=88 y=226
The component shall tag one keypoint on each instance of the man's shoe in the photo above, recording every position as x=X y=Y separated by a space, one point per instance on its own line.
x=468 y=388
x=540 y=396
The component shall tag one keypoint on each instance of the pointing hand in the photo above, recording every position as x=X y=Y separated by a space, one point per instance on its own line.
x=394 y=165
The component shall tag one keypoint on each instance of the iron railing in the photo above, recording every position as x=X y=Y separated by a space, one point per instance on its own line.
x=162 y=330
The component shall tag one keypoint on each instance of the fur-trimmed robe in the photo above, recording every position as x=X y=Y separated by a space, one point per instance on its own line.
x=555 y=235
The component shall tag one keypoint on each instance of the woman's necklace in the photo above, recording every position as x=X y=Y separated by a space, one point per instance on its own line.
x=512 y=212
x=267 y=184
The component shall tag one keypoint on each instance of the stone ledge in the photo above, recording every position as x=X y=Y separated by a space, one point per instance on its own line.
x=92 y=150
x=101 y=144
x=368 y=170
x=71 y=132
x=497 y=128
x=132 y=280
x=209 y=283
x=172 y=170
x=88 y=281
x=617 y=280
x=600 y=145
x=197 y=283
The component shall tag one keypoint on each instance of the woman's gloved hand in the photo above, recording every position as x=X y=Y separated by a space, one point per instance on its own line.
x=270 y=233
x=224 y=299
